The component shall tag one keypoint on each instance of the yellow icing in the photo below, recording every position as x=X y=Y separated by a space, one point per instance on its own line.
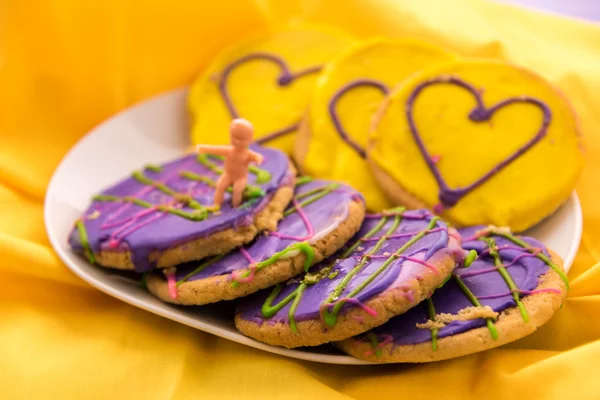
x=520 y=195
x=253 y=85
x=327 y=155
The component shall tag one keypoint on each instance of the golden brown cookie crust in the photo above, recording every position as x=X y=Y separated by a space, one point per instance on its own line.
x=218 y=288
x=388 y=304
x=218 y=243
x=510 y=326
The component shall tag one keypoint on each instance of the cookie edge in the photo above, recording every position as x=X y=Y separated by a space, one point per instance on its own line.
x=479 y=339
x=386 y=305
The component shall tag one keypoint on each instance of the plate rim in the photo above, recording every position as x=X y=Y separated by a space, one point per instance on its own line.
x=164 y=309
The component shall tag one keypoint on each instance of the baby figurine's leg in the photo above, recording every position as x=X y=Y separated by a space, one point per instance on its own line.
x=238 y=191
x=222 y=184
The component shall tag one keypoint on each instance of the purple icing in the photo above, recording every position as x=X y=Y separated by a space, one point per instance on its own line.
x=489 y=287
x=322 y=214
x=142 y=231
x=449 y=197
x=335 y=118
x=286 y=78
x=309 y=306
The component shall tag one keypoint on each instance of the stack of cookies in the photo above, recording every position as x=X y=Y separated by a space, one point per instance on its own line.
x=395 y=241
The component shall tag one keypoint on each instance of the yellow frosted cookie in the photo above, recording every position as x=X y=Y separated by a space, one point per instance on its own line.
x=267 y=80
x=331 y=140
x=480 y=142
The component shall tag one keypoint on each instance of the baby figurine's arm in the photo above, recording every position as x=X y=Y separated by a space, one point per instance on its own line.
x=256 y=157
x=216 y=150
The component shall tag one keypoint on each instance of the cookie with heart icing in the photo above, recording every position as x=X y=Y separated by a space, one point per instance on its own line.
x=477 y=141
x=392 y=263
x=513 y=287
x=162 y=215
x=346 y=96
x=323 y=216
x=267 y=80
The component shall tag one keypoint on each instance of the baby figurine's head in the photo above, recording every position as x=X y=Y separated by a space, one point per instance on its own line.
x=241 y=132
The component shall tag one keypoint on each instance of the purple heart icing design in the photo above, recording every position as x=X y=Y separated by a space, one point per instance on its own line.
x=448 y=196
x=285 y=78
x=335 y=118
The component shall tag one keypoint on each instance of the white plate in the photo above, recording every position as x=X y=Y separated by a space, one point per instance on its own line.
x=156 y=131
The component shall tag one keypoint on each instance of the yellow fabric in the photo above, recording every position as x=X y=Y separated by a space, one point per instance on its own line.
x=389 y=62
x=519 y=195
x=66 y=65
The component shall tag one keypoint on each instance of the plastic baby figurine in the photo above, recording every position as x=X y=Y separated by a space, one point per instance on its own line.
x=237 y=160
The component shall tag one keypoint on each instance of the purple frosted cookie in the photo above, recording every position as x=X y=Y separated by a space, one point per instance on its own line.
x=162 y=215
x=393 y=262
x=513 y=286
x=323 y=216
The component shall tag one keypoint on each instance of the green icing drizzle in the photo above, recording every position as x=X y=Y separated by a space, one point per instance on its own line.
x=434 y=331
x=303 y=180
x=506 y=276
x=293 y=307
x=153 y=168
x=249 y=203
x=364 y=259
x=196 y=215
x=324 y=191
x=250 y=192
x=374 y=343
x=262 y=175
x=304 y=247
x=444 y=282
x=197 y=177
x=269 y=310
x=143 y=281
x=83 y=238
x=140 y=177
x=200 y=268
x=317 y=190
x=472 y=256
x=204 y=160
x=541 y=256
x=467 y=292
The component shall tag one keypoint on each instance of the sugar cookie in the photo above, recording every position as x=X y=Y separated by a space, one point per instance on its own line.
x=513 y=287
x=482 y=142
x=161 y=216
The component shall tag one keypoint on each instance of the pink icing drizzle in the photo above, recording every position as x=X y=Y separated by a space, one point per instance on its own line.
x=422 y=262
x=400 y=235
x=171 y=284
x=117 y=236
x=349 y=300
x=485 y=271
x=247 y=255
x=237 y=275
x=525 y=292
x=386 y=340
x=309 y=227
